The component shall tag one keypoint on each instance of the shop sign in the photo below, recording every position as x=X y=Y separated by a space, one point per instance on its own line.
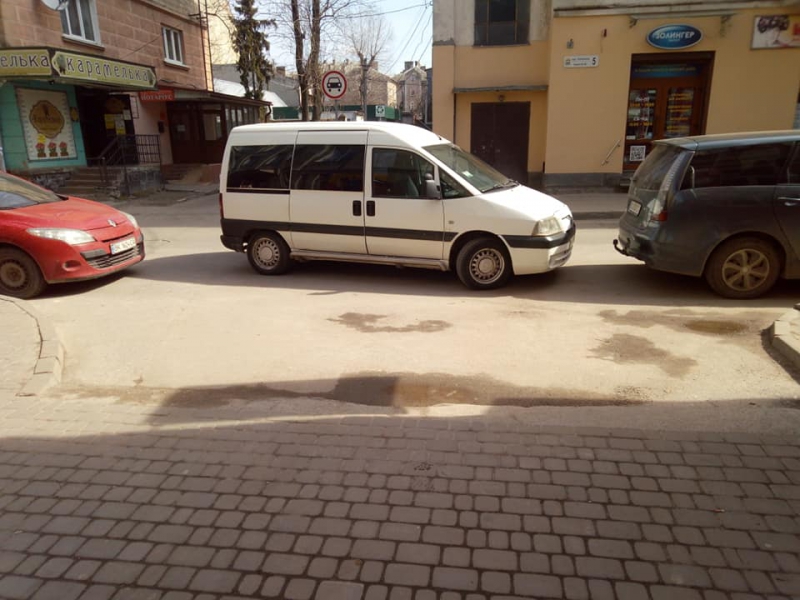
x=83 y=67
x=47 y=130
x=674 y=37
x=157 y=96
x=776 y=31
x=581 y=62
x=22 y=61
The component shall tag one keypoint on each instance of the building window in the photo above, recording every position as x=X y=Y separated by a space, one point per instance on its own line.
x=173 y=45
x=501 y=22
x=79 y=21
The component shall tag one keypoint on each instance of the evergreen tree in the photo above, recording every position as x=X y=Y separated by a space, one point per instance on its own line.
x=251 y=43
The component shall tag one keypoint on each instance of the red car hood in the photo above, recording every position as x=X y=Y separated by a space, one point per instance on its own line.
x=73 y=213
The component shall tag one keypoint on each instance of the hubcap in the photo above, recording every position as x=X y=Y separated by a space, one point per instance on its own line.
x=745 y=270
x=267 y=253
x=487 y=265
x=12 y=275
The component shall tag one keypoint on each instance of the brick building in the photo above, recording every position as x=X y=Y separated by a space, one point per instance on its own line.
x=77 y=74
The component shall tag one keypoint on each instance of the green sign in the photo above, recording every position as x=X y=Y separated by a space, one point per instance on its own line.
x=84 y=67
x=30 y=62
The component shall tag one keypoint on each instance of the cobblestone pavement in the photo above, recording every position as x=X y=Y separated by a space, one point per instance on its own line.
x=105 y=499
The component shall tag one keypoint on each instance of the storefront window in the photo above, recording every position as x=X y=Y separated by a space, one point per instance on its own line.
x=641 y=107
x=679 y=112
x=212 y=125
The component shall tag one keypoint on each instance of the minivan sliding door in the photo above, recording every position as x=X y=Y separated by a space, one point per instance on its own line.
x=327 y=196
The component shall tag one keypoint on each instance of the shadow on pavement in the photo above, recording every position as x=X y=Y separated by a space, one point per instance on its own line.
x=583 y=284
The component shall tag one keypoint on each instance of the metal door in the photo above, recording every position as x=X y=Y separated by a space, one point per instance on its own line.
x=500 y=132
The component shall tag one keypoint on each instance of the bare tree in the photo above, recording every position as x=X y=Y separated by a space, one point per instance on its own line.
x=368 y=38
x=307 y=25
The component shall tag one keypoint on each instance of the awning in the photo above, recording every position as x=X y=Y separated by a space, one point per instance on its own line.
x=169 y=92
x=61 y=66
x=501 y=88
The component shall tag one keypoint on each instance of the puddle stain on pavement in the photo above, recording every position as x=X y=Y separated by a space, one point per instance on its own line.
x=634 y=349
x=373 y=389
x=683 y=319
x=366 y=323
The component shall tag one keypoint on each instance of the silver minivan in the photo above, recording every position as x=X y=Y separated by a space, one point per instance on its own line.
x=722 y=207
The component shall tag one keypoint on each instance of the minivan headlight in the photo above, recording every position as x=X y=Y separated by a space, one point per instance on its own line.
x=72 y=237
x=548 y=226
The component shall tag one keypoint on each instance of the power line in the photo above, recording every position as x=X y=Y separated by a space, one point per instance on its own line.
x=410 y=37
x=385 y=12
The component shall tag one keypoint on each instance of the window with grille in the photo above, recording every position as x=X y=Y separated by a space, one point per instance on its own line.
x=79 y=21
x=173 y=45
x=501 y=22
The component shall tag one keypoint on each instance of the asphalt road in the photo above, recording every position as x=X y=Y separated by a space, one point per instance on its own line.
x=602 y=340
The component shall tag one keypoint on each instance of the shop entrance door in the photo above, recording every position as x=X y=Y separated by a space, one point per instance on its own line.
x=103 y=117
x=667 y=98
x=500 y=136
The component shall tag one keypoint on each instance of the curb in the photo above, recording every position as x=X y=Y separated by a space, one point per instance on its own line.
x=50 y=364
x=785 y=334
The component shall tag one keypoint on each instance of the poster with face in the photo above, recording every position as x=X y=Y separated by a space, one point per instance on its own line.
x=46 y=123
x=776 y=31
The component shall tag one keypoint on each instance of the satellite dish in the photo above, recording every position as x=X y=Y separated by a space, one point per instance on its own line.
x=56 y=4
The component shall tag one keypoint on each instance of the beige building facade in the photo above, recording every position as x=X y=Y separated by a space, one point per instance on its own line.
x=564 y=93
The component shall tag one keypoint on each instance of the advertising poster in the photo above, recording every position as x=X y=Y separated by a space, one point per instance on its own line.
x=776 y=31
x=46 y=123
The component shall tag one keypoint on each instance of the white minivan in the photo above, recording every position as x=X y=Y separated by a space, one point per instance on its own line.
x=384 y=193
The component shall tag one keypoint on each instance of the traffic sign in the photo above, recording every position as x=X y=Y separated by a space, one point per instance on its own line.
x=334 y=84
x=380 y=110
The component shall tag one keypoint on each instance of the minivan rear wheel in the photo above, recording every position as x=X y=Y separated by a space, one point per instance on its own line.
x=268 y=253
x=483 y=264
x=743 y=268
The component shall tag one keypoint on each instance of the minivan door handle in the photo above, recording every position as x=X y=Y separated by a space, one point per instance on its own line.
x=789 y=201
x=356 y=208
x=370 y=208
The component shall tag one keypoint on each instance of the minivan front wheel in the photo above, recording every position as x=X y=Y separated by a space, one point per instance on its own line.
x=483 y=264
x=743 y=268
x=268 y=253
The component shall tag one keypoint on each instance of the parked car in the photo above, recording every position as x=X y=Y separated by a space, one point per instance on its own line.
x=48 y=238
x=724 y=207
x=383 y=193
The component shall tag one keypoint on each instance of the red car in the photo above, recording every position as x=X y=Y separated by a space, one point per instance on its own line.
x=47 y=238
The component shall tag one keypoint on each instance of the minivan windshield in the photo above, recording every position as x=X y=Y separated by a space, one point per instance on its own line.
x=471 y=168
x=17 y=193
x=650 y=174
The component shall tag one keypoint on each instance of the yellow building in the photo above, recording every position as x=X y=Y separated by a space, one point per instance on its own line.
x=563 y=93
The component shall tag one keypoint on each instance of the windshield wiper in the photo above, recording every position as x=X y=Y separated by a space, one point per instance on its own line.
x=509 y=183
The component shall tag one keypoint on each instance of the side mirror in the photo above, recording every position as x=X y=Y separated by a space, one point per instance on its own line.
x=432 y=190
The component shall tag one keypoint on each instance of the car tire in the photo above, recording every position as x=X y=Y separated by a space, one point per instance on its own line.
x=20 y=276
x=268 y=253
x=743 y=268
x=483 y=264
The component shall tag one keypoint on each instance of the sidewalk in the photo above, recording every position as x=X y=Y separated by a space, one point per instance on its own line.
x=106 y=500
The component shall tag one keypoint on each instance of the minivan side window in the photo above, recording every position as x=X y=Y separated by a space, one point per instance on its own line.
x=793 y=171
x=450 y=187
x=758 y=164
x=398 y=173
x=260 y=167
x=335 y=168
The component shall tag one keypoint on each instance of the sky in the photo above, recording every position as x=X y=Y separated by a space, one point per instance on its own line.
x=410 y=22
